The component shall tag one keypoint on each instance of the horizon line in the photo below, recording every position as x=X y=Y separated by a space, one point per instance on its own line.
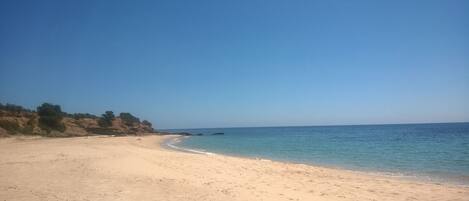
x=325 y=125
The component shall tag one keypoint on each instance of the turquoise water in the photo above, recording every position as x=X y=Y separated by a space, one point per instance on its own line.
x=436 y=151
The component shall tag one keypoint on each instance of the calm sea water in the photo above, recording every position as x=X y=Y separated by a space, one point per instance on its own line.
x=433 y=151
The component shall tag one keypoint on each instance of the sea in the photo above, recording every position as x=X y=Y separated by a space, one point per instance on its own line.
x=438 y=151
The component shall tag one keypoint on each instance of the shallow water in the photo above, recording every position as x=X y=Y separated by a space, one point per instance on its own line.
x=434 y=151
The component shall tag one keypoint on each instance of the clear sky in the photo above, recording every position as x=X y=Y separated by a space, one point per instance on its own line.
x=185 y=64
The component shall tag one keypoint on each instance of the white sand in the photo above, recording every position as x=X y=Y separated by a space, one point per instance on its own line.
x=137 y=168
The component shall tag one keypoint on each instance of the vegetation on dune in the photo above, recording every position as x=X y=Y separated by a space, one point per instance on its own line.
x=129 y=119
x=16 y=119
x=13 y=108
x=146 y=123
x=50 y=117
x=11 y=126
x=106 y=119
x=78 y=116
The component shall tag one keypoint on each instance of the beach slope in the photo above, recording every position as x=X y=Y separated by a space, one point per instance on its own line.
x=138 y=168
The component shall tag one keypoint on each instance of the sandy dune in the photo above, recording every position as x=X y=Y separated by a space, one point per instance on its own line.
x=137 y=168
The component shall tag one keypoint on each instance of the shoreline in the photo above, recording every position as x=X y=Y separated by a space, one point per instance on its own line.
x=171 y=146
x=402 y=176
x=141 y=168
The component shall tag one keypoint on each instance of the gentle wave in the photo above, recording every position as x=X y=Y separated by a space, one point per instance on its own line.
x=171 y=143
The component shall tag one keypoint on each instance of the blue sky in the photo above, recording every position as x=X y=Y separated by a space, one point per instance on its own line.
x=185 y=64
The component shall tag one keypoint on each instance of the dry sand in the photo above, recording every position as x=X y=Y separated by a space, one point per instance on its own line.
x=138 y=168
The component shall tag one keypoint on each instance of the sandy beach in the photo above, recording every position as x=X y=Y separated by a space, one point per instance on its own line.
x=139 y=168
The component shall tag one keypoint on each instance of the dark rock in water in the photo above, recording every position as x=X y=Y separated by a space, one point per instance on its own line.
x=180 y=133
x=184 y=133
x=218 y=134
x=189 y=134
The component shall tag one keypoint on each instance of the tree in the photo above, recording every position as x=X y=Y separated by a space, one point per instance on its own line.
x=146 y=123
x=106 y=119
x=128 y=118
x=13 y=108
x=83 y=115
x=50 y=117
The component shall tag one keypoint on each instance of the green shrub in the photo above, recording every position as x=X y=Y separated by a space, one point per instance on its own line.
x=11 y=126
x=128 y=118
x=106 y=119
x=146 y=123
x=83 y=115
x=50 y=117
x=27 y=129
x=13 y=108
